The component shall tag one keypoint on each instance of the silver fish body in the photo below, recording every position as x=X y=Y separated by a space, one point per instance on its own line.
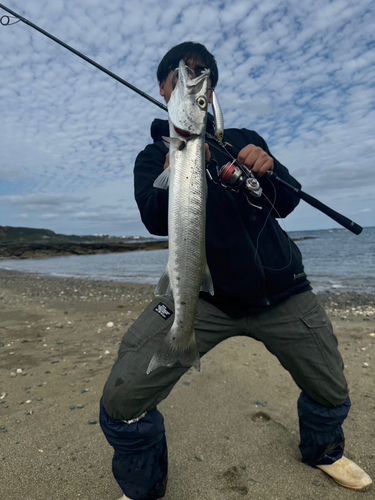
x=187 y=271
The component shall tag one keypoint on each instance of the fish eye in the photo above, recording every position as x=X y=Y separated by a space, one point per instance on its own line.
x=202 y=102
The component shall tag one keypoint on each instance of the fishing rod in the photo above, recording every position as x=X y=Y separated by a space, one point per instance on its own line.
x=234 y=174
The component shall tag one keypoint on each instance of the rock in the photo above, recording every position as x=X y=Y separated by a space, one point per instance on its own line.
x=110 y=324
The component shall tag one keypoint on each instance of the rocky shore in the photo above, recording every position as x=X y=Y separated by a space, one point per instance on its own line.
x=39 y=250
x=232 y=429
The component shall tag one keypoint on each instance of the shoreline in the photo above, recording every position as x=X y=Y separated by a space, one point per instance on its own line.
x=326 y=298
x=232 y=428
x=64 y=249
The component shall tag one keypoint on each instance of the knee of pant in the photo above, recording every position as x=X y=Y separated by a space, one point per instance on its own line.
x=119 y=402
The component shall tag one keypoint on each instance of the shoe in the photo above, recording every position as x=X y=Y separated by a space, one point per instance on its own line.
x=348 y=474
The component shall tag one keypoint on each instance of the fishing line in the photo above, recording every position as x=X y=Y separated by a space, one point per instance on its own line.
x=272 y=204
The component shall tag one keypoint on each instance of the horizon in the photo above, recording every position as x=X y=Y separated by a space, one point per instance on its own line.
x=336 y=228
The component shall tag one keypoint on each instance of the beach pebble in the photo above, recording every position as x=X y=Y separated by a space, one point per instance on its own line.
x=13 y=374
x=3 y=395
x=110 y=324
x=107 y=352
x=199 y=458
x=19 y=370
x=372 y=334
x=365 y=365
x=92 y=422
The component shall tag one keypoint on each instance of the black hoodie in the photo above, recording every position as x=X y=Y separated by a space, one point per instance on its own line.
x=253 y=262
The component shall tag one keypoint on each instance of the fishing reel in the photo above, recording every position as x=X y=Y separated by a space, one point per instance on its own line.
x=235 y=175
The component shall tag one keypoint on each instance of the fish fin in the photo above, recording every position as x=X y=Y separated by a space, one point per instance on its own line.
x=168 y=354
x=174 y=141
x=162 y=181
x=164 y=285
x=207 y=284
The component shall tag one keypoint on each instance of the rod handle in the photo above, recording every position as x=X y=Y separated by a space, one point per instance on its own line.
x=339 y=218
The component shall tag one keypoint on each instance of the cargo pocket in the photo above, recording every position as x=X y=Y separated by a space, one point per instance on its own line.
x=156 y=318
x=320 y=327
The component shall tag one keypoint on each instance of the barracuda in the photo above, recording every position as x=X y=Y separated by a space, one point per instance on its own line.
x=187 y=272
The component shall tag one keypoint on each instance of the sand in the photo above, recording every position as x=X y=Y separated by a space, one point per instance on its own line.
x=232 y=429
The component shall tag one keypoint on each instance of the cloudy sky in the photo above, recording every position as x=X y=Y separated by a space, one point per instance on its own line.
x=301 y=73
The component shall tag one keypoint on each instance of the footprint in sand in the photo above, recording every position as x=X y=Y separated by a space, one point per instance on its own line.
x=235 y=480
x=260 y=416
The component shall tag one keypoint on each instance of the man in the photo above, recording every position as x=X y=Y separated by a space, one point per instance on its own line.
x=261 y=290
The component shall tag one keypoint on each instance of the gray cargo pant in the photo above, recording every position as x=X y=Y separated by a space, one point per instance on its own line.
x=297 y=331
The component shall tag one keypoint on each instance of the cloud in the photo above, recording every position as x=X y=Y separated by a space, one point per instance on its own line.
x=299 y=73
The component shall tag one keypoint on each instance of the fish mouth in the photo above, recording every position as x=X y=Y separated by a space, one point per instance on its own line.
x=183 y=133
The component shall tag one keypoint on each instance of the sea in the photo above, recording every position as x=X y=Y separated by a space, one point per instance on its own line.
x=335 y=260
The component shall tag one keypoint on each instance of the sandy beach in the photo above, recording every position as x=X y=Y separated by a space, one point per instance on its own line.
x=232 y=429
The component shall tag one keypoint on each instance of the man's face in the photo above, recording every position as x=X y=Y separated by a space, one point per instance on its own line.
x=167 y=86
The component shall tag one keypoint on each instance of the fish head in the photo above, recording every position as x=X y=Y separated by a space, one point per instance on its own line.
x=188 y=104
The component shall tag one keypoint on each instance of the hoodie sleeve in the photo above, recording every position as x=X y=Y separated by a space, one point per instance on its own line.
x=152 y=202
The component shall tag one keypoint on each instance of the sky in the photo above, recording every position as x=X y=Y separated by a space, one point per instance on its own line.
x=300 y=73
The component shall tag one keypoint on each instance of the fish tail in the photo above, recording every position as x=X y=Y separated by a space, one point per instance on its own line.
x=169 y=353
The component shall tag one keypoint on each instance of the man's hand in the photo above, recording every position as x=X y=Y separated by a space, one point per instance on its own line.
x=255 y=158
x=207 y=153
